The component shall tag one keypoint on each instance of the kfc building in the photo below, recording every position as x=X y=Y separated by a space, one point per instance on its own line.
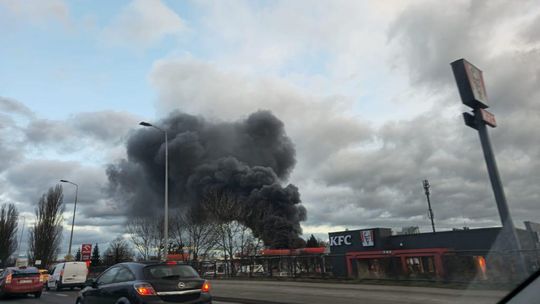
x=376 y=253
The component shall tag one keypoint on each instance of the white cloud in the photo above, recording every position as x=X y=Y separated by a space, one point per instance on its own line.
x=38 y=11
x=143 y=23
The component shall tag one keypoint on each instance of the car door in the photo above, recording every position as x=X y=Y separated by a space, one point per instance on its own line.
x=121 y=283
x=101 y=294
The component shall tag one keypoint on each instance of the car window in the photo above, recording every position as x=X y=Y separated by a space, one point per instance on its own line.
x=170 y=272
x=108 y=276
x=58 y=268
x=123 y=275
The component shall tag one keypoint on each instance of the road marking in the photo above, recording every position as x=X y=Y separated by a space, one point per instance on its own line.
x=61 y=294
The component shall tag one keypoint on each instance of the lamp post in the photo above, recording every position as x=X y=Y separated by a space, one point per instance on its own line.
x=74 y=210
x=22 y=233
x=166 y=220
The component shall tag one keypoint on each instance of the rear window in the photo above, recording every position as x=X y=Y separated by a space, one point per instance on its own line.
x=169 y=272
x=24 y=271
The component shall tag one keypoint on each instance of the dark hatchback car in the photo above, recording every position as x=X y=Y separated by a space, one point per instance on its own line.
x=146 y=282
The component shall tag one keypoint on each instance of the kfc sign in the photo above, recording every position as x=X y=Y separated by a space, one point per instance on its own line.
x=367 y=238
x=340 y=240
x=470 y=82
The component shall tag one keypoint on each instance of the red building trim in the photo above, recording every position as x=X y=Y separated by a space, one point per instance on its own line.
x=402 y=254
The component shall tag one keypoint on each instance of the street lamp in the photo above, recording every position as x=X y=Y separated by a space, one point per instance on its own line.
x=166 y=221
x=74 y=209
x=22 y=233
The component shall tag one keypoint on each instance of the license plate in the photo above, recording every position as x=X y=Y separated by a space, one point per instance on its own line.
x=25 y=281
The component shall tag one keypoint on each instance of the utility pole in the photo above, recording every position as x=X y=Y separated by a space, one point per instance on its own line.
x=472 y=90
x=166 y=194
x=425 y=183
x=22 y=233
x=69 y=256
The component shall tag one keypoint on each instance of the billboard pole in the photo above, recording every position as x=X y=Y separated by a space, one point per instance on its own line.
x=472 y=91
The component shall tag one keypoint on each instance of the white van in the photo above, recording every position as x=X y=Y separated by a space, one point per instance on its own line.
x=67 y=275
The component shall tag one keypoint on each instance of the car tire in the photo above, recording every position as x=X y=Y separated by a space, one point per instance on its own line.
x=37 y=295
x=123 y=301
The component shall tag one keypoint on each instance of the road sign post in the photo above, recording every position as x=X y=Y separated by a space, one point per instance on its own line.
x=472 y=90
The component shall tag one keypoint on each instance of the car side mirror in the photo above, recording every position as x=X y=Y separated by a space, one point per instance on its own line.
x=91 y=282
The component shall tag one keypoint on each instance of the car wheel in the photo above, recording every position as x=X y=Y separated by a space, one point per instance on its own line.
x=79 y=301
x=123 y=301
x=37 y=295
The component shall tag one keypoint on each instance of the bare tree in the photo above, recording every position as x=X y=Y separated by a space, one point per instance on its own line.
x=46 y=234
x=194 y=235
x=234 y=238
x=8 y=232
x=146 y=234
x=118 y=251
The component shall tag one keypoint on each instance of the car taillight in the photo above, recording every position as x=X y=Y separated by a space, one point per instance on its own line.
x=144 y=289
x=206 y=287
x=8 y=279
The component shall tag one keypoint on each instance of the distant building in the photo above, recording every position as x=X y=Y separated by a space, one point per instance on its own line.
x=459 y=254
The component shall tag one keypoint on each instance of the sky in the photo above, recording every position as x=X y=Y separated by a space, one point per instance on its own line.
x=364 y=89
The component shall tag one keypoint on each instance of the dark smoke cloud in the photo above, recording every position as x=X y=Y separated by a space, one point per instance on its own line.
x=249 y=158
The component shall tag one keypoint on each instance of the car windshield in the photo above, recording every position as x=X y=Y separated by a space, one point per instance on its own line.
x=301 y=151
x=172 y=272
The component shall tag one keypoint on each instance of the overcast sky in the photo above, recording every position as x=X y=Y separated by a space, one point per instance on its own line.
x=364 y=89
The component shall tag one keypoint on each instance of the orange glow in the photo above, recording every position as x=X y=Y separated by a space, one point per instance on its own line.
x=482 y=263
x=8 y=278
x=482 y=266
x=145 y=289
x=206 y=287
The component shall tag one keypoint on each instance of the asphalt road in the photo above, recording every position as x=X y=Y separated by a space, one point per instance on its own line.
x=62 y=297
x=268 y=292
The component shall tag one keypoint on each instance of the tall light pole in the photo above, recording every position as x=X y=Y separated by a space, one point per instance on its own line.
x=74 y=210
x=22 y=233
x=166 y=216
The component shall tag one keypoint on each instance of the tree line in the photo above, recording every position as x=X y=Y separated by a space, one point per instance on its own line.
x=191 y=237
x=44 y=236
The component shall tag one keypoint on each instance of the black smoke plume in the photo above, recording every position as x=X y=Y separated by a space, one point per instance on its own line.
x=249 y=159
